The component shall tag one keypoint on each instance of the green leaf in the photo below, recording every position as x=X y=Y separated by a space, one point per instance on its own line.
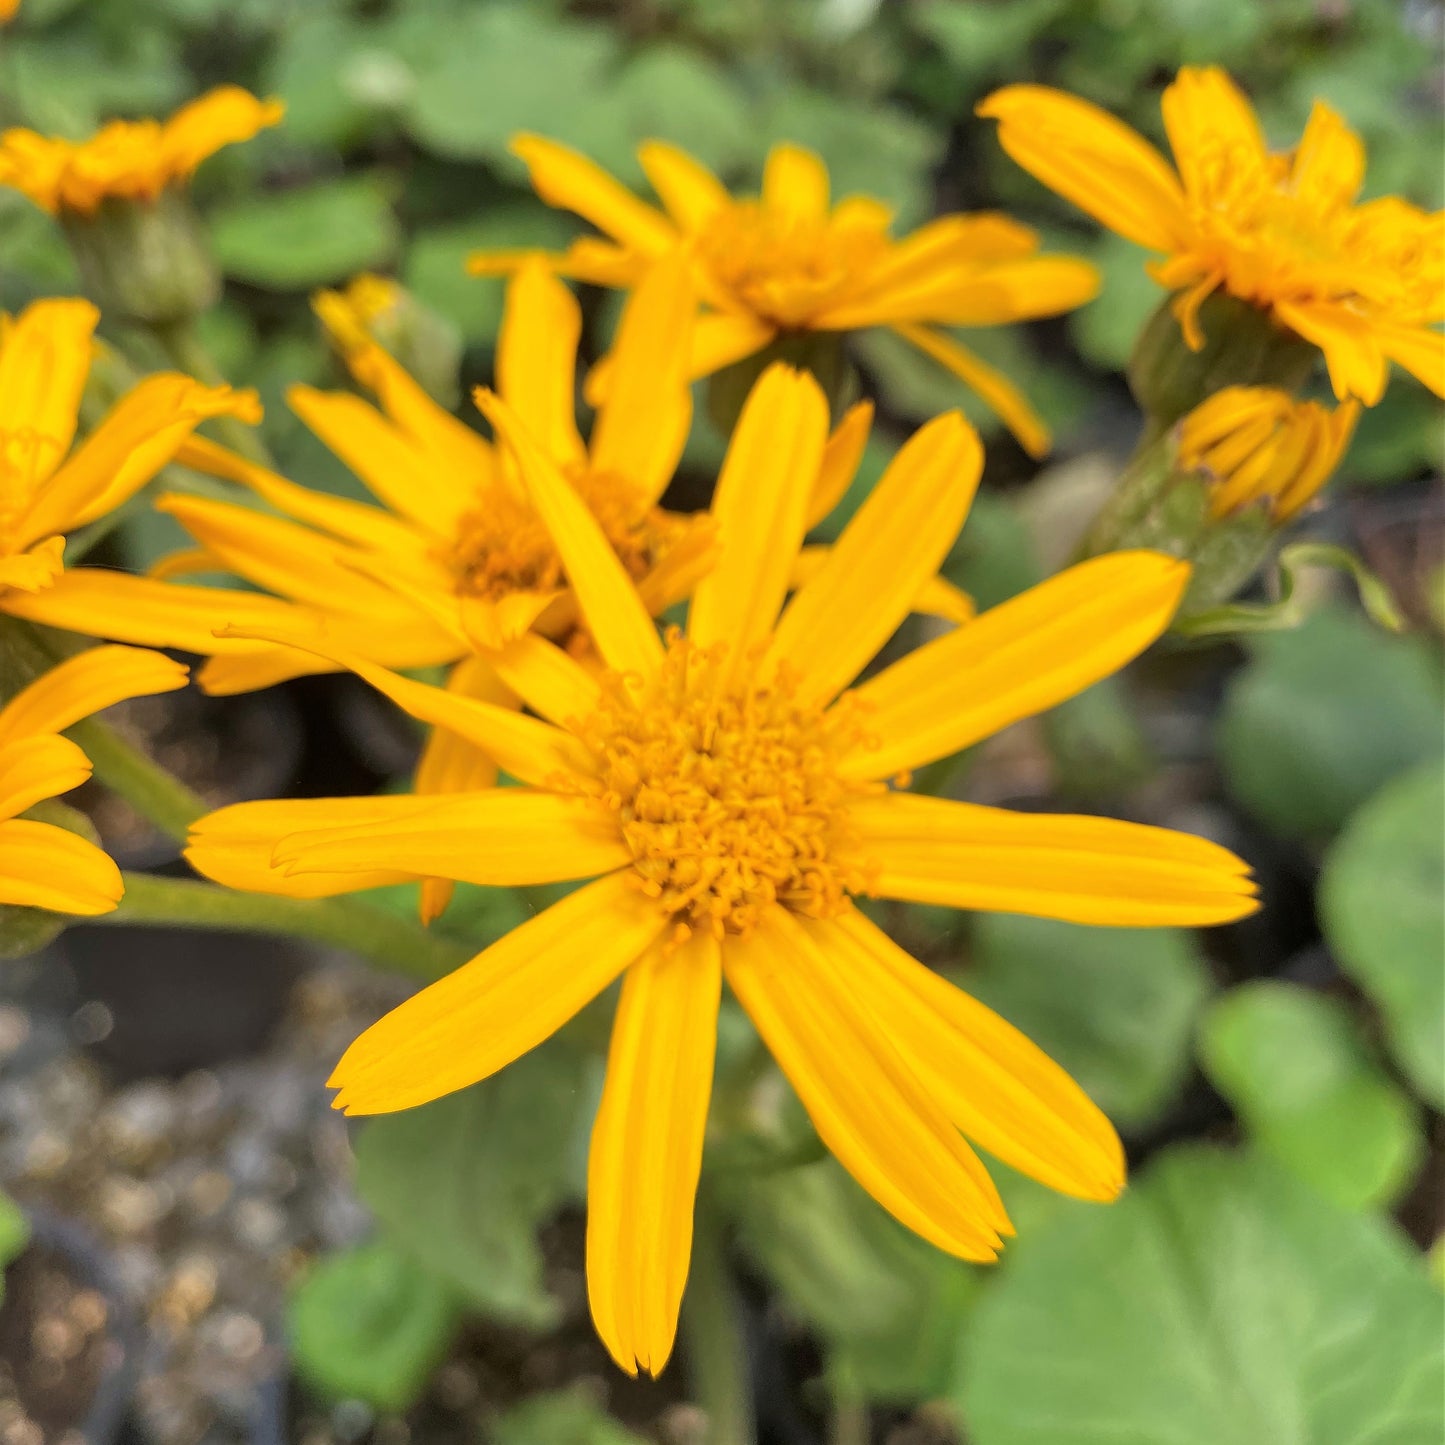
x=462 y=1184
x=435 y=265
x=14 y=1235
x=1220 y=1300
x=1298 y=1073
x=1324 y=715
x=293 y=240
x=888 y=1305
x=1116 y=1007
x=564 y=1417
x=1380 y=905
x=370 y=1324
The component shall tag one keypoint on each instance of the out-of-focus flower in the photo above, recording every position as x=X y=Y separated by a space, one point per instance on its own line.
x=787 y=262
x=727 y=793
x=133 y=160
x=1258 y=444
x=43 y=865
x=48 y=489
x=1365 y=283
x=8 y=9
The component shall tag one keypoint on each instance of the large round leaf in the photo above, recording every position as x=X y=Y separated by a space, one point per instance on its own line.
x=1220 y=1302
x=1381 y=898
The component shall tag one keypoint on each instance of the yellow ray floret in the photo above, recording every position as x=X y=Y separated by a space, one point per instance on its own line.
x=49 y=487
x=43 y=865
x=729 y=796
x=133 y=160
x=1258 y=444
x=789 y=261
x=1283 y=231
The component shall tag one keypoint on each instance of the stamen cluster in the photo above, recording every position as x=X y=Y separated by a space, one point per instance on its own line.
x=728 y=795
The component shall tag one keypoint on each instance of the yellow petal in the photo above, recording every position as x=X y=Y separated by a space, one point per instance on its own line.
x=1004 y=1092
x=1419 y=350
x=1351 y=347
x=448 y=763
x=795 y=184
x=996 y=391
x=619 y=623
x=235 y=846
x=837 y=622
x=761 y=508
x=691 y=556
x=504 y=1002
x=219 y=118
x=84 y=684
x=553 y=682
x=867 y=1105
x=1329 y=162
x=1097 y=162
x=642 y=424
x=1207 y=117
x=568 y=180
x=1081 y=869
x=937 y=597
x=41 y=766
x=646 y=1153
x=35 y=570
x=723 y=337
x=134 y=440
x=691 y=193
x=42 y=866
x=498 y=837
x=489 y=625
x=1017 y=659
x=44 y=360
x=840 y=461
x=537 y=359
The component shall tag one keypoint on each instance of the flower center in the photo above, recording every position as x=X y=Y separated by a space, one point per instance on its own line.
x=502 y=546
x=785 y=268
x=729 y=798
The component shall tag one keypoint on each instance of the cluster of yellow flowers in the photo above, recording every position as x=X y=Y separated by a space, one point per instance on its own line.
x=729 y=788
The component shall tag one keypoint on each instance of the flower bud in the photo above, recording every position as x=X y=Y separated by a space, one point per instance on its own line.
x=1241 y=345
x=144 y=261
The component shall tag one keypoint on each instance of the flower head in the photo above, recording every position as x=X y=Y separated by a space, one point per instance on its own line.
x=729 y=796
x=49 y=487
x=43 y=865
x=1281 y=231
x=133 y=160
x=788 y=261
x=1257 y=444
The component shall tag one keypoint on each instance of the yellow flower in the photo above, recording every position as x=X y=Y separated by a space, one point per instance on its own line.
x=787 y=262
x=8 y=9
x=1364 y=283
x=42 y=865
x=727 y=796
x=1259 y=444
x=132 y=159
x=48 y=489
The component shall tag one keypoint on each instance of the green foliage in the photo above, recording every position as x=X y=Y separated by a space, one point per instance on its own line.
x=1115 y=1006
x=296 y=239
x=1322 y=716
x=463 y=1184
x=1297 y=1070
x=888 y=1306
x=370 y=1324
x=1218 y=1300
x=14 y=1235
x=1380 y=902
x=564 y=1417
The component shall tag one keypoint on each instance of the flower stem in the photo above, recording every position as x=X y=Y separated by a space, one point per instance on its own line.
x=368 y=932
x=712 y=1328
x=179 y=341
x=156 y=794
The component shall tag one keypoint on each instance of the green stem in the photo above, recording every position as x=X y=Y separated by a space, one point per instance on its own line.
x=850 y=1424
x=179 y=341
x=153 y=792
x=712 y=1329
x=350 y=924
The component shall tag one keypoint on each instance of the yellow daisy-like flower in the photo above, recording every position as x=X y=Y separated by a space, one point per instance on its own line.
x=42 y=865
x=1259 y=444
x=727 y=796
x=134 y=160
x=1364 y=283
x=47 y=489
x=788 y=262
